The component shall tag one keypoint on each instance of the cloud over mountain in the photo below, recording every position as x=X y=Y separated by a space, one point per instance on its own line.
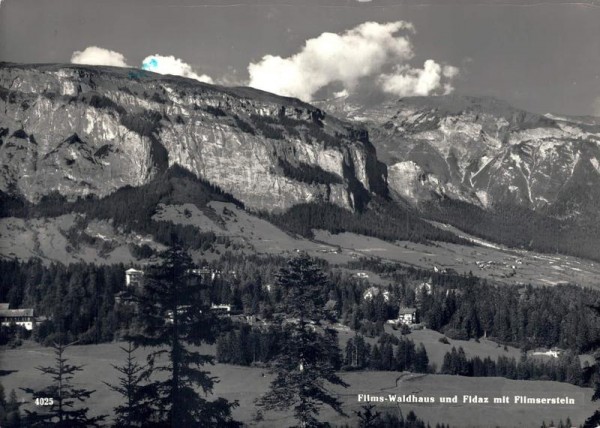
x=171 y=65
x=371 y=49
x=94 y=55
x=406 y=81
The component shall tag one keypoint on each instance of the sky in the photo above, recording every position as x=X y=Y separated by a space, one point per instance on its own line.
x=543 y=56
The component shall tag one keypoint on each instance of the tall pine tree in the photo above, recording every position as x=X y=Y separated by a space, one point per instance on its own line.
x=309 y=348
x=175 y=315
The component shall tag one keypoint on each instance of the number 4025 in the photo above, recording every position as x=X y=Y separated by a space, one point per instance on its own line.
x=44 y=401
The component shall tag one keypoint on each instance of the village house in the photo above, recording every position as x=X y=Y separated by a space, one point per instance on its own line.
x=406 y=316
x=133 y=277
x=20 y=317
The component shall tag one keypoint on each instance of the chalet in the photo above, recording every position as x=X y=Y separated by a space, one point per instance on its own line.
x=133 y=277
x=21 y=317
x=406 y=316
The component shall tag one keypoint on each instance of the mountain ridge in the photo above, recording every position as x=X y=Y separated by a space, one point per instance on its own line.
x=481 y=150
x=138 y=123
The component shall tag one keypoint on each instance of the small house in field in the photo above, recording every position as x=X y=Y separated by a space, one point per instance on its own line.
x=133 y=277
x=407 y=316
x=20 y=317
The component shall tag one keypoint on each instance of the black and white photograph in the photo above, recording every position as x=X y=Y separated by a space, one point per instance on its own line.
x=300 y=213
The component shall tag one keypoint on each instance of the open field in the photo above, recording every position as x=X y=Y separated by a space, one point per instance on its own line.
x=497 y=264
x=436 y=350
x=46 y=238
x=245 y=384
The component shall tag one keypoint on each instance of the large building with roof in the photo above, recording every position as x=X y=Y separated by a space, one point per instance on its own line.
x=20 y=317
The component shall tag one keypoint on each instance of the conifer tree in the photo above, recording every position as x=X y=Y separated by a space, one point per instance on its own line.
x=594 y=420
x=61 y=397
x=133 y=410
x=174 y=311
x=309 y=348
x=367 y=417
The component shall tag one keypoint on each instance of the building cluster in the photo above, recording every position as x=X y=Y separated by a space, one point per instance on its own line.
x=134 y=279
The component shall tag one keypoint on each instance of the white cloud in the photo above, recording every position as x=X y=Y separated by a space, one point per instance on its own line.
x=360 y=52
x=450 y=71
x=406 y=81
x=93 y=55
x=171 y=65
x=368 y=50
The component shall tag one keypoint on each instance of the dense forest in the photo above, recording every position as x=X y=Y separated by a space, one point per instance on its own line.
x=464 y=306
x=519 y=227
x=460 y=306
x=567 y=368
x=380 y=219
x=78 y=301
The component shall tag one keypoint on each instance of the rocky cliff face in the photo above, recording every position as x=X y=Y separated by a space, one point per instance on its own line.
x=483 y=151
x=82 y=130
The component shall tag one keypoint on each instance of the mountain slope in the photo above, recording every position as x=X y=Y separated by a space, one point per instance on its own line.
x=483 y=151
x=82 y=130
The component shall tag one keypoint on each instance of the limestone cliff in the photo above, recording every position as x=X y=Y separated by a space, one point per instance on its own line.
x=82 y=130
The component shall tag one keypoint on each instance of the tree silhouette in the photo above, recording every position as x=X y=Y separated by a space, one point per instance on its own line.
x=367 y=418
x=134 y=411
x=61 y=396
x=594 y=420
x=174 y=312
x=309 y=350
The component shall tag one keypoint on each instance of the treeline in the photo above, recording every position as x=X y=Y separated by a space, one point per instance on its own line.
x=519 y=227
x=566 y=368
x=525 y=316
x=132 y=208
x=78 y=301
x=390 y=353
x=465 y=307
x=247 y=346
x=380 y=220
x=460 y=306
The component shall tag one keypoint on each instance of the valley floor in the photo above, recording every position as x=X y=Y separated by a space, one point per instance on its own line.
x=245 y=384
